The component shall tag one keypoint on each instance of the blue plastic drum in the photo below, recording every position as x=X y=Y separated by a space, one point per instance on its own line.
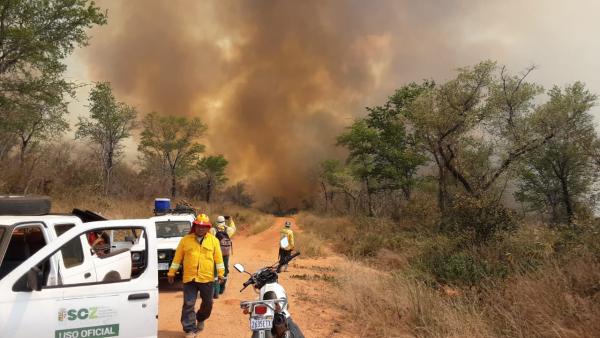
x=162 y=204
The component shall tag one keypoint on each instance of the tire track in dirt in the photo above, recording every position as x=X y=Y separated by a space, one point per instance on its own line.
x=307 y=295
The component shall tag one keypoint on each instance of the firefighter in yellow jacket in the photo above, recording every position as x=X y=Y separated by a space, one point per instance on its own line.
x=200 y=252
x=286 y=245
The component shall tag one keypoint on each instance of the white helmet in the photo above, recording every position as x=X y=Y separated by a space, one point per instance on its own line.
x=220 y=219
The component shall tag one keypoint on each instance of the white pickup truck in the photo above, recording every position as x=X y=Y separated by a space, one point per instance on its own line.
x=170 y=228
x=53 y=283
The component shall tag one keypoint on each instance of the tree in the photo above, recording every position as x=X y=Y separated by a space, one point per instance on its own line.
x=397 y=150
x=384 y=154
x=335 y=177
x=38 y=116
x=327 y=176
x=212 y=169
x=111 y=122
x=237 y=194
x=482 y=123
x=562 y=172
x=358 y=139
x=171 y=140
x=35 y=37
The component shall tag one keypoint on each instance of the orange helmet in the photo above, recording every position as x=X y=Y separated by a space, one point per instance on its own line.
x=202 y=220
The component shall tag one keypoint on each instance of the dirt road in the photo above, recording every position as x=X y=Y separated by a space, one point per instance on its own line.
x=306 y=284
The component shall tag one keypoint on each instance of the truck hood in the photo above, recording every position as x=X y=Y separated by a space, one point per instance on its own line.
x=167 y=243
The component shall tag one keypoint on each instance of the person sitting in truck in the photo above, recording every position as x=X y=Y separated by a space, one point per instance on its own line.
x=99 y=243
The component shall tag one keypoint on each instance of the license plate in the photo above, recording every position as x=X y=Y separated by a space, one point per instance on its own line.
x=261 y=323
x=163 y=266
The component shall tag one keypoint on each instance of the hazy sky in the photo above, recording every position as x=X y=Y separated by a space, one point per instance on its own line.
x=276 y=81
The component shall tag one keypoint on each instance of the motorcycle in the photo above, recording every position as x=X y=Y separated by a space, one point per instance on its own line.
x=269 y=315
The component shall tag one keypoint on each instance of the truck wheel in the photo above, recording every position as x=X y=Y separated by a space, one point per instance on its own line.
x=24 y=205
x=112 y=276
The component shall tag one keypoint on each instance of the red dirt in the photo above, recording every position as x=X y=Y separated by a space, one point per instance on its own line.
x=307 y=295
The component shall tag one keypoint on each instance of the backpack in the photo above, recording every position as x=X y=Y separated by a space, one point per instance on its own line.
x=225 y=241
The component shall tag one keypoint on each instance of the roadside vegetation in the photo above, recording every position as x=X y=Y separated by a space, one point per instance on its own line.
x=467 y=209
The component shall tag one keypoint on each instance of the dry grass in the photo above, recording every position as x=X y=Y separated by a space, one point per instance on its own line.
x=393 y=305
x=245 y=219
x=108 y=207
x=546 y=293
x=327 y=227
x=433 y=313
x=373 y=299
x=310 y=244
x=556 y=301
x=553 y=302
x=258 y=227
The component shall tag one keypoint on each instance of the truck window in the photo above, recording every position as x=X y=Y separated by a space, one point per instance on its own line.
x=72 y=252
x=62 y=228
x=166 y=229
x=106 y=265
x=24 y=242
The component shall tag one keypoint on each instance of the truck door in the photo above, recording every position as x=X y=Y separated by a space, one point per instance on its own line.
x=29 y=307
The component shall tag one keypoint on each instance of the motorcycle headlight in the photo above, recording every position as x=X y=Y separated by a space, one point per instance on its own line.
x=162 y=255
x=136 y=256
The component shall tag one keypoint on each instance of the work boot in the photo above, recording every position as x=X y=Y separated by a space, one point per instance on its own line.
x=200 y=326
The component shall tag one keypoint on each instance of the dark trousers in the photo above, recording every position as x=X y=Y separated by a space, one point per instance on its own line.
x=190 y=294
x=220 y=288
x=283 y=256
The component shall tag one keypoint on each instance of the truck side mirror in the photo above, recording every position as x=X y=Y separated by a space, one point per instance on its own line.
x=35 y=279
x=239 y=267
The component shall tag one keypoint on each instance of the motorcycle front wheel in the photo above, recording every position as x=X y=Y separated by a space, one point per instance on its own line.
x=262 y=334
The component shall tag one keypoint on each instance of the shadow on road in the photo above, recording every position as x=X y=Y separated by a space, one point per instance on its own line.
x=164 y=286
x=170 y=334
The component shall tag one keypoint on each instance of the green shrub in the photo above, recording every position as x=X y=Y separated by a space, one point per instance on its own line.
x=367 y=245
x=460 y=268
x=479 y=219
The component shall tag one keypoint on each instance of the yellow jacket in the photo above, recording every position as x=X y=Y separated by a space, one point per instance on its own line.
x=230 y=229
x=285 y=232
x=199 y=260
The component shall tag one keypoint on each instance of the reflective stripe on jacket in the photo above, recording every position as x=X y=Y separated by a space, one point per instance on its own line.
x=285 y=232
x=198 y=260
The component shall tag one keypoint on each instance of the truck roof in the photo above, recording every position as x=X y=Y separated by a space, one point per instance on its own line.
x=10 y=220
x=173 y=217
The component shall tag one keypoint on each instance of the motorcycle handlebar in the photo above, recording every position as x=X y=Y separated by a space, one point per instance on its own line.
x=275 y=267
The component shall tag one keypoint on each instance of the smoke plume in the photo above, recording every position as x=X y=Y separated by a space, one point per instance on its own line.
x=276 y=81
